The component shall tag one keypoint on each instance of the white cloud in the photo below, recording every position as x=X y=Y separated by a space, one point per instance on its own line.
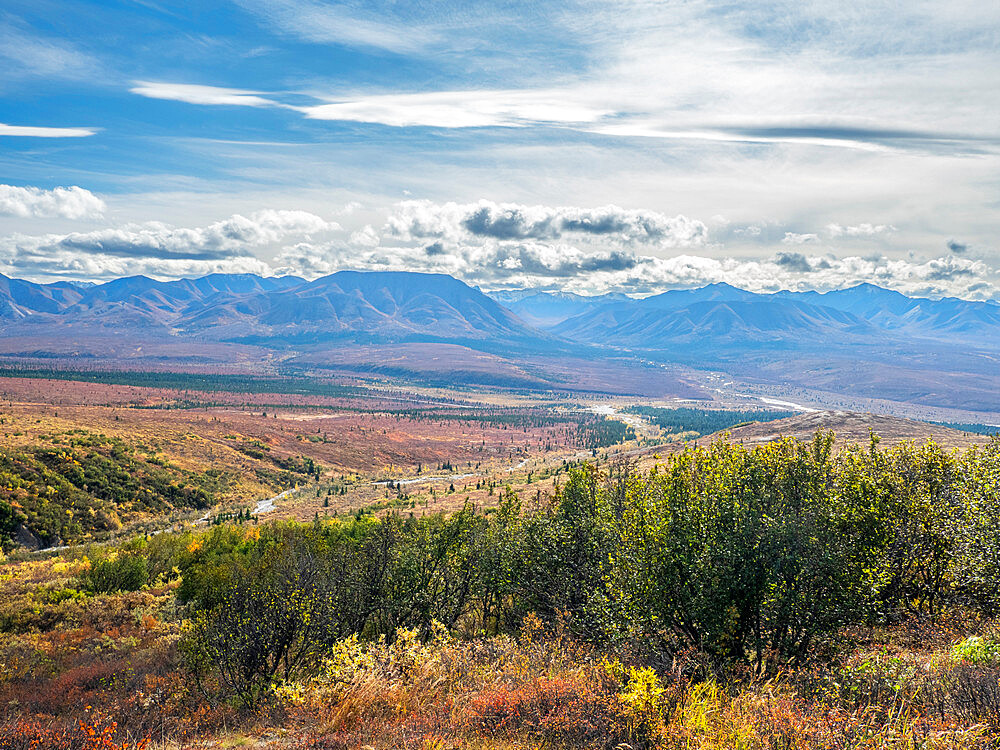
x=859 y=230
x=69 y=203
x=197 y=94
x=487 y=220
x=366 y=237
x=37 y=131
x=460 y=109
x=791 y=238
x=70 y=265
x=539 y=264
x=437 y=109
x=340 y=24
x=160 y=247
x=29 y=55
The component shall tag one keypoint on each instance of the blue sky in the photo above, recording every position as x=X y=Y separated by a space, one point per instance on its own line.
x=586 y=146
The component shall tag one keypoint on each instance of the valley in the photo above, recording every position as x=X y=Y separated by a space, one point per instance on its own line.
x=863 y=348
x=300 y=448
x=255 y=520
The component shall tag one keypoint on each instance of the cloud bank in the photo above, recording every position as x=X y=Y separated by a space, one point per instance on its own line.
x=568 y=268
x=160 y=249
x=493 y=245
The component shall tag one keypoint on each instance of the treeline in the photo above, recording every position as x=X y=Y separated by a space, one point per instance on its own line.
x=746 y=554
x=979 y=429
x=76 y=485
x=601 y=432
x=493 y=417
x=704 y=421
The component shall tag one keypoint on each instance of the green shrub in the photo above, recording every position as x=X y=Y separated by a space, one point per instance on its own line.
x=977 y=650
x=117 y=573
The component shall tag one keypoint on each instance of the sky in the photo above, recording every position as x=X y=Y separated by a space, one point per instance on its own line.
x=577 y=145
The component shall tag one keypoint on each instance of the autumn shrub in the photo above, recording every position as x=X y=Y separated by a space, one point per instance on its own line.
x=977 y=650
x=117 y=572
x=567 y=708
x=93 y=734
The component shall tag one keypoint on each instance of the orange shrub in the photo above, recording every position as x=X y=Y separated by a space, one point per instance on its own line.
x=92 y=735
x=558 y=708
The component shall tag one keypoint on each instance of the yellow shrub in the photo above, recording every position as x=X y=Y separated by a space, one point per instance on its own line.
x=639 y=704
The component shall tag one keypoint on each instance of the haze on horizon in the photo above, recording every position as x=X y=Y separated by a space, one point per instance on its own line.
x=583 y=146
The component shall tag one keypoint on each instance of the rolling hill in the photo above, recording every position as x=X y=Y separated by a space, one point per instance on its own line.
x=852 y=427
x=719 y=315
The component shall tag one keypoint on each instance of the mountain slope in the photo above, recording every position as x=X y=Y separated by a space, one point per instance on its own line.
x=944 y=318
x=19 y=299
x=723 y=316
x=546 y=310
x=379 y=306
x=714 y=321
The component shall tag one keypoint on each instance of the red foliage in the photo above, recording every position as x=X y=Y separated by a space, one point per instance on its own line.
x=94 y=735
x=563 y=708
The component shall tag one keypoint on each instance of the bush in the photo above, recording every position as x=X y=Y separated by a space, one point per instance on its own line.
x=977 y=650
x=748 y=555
x=117 y=572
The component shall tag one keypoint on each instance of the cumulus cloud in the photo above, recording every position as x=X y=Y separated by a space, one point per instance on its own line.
x=514 y=222
x=68 y=203
x=366 y=237
x=40 y=131
x=791 y=238
x=946 y=269
x=71 y=265
x=793 y=262
x=488 y=244
x=957 y=247
x=160 y=247
x=606 y=249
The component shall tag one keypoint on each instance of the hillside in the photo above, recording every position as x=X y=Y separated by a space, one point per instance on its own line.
x=853 y=427
x=946 y=318
x=389 y=306
x=740 y=323
x=546 y=310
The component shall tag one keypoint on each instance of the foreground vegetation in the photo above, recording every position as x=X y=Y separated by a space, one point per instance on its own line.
x=781 y=596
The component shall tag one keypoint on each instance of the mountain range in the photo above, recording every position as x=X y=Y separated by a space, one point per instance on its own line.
x=722 y=315
x=349 y=305
x=864 y=339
